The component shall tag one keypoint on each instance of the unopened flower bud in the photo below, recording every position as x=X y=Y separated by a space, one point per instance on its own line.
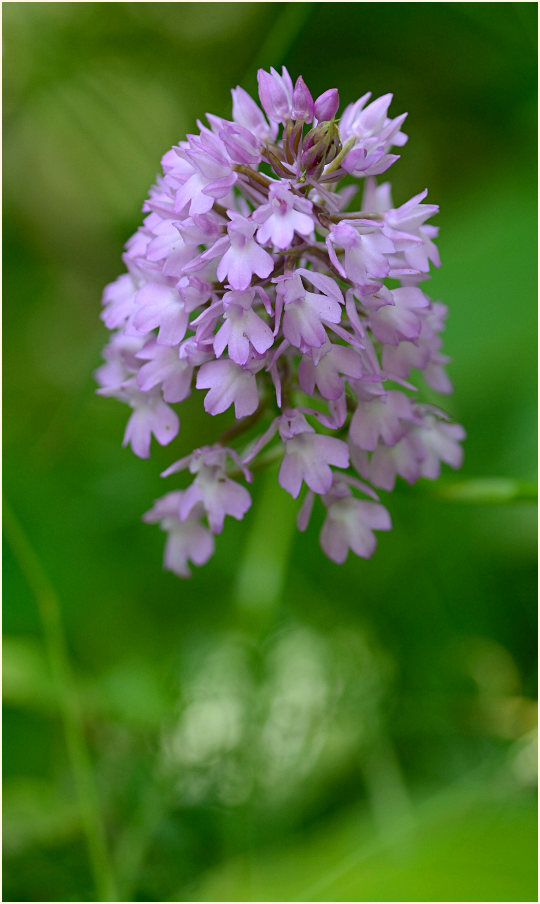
x=302 y=107
x=321 y=145
x=326 y=105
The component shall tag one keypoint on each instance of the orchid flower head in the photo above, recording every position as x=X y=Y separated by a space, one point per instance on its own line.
x=250 y=280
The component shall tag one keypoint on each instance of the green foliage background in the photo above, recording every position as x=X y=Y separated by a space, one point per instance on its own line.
x=277 y=728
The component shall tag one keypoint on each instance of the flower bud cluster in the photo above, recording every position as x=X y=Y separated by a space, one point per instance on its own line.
x=249 y=281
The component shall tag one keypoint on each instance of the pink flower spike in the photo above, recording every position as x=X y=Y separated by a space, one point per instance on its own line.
x=248 y=280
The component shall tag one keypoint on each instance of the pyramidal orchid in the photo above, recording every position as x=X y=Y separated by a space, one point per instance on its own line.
x=252 y=281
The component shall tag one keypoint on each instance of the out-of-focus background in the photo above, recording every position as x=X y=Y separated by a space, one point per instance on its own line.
x=278 y=727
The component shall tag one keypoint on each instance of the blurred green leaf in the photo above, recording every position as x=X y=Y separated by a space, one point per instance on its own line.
x=26 y=678
x=457 y=851
x=36 y=813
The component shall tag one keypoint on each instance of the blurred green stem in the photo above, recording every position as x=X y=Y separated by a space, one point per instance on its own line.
x=51 y=618
x=263 y=567
x=488 y=490
x=386 y=789
x=279 y=40
x=137 y=834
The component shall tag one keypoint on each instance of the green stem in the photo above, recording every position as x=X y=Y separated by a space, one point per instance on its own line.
x=252 y=174
x=262 y=570
x=221 y=211
x=356 y=215
x=488 y=490
x=49 y=609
